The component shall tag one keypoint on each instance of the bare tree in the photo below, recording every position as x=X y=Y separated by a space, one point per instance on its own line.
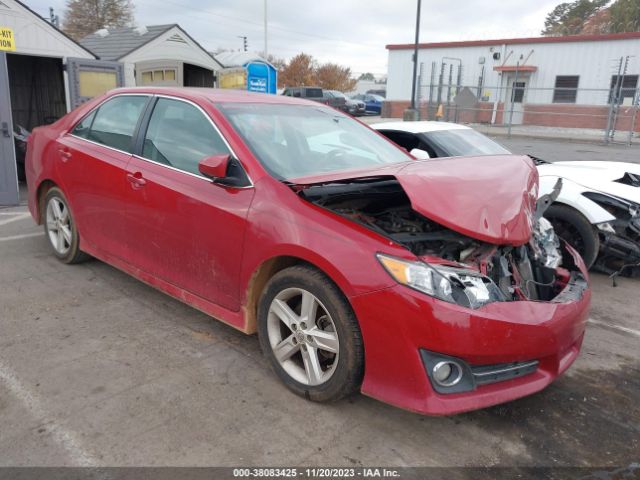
x=83 y=17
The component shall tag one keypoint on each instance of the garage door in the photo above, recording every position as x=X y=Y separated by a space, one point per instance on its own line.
x=8 y=177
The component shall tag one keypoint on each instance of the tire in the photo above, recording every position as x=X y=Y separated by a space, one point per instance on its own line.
x=332 y=336
x=575 y=229
x=60 y=228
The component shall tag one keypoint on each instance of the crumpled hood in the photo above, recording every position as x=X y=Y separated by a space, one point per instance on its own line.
x=599 y=176
x=489 y=198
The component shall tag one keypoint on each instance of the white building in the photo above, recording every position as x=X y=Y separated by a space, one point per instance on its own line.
x=155 y=55
x=557 y=81
x=43 y=73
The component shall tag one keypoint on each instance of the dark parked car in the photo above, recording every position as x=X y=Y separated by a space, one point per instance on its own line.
x=352 y=107
x=373 y=103
x=317 y=94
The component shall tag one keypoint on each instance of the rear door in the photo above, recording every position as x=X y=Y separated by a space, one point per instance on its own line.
x=90 y=78
x=91 y=160
x=181 y=227
x=8 y=176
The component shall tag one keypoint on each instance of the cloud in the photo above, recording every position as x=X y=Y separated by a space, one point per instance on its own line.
x=352 y=33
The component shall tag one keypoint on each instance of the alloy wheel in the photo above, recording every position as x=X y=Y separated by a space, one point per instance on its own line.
x=303 y=336
x=59 y=226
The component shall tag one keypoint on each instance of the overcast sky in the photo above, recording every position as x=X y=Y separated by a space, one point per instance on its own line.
x=350 y=32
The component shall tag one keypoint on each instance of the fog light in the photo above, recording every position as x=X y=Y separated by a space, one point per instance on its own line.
x=447 y=373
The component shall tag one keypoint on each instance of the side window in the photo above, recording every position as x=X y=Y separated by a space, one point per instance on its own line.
x=82 y=129
x=116 y=120
x=179 y=135
x=405 y=140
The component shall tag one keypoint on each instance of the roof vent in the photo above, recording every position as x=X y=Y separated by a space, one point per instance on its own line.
x=103 y=32
x=141 y=30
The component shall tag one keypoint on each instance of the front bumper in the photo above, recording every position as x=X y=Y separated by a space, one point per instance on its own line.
x=398 y=322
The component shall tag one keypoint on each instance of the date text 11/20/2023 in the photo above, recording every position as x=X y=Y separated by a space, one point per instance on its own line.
x=318 y=472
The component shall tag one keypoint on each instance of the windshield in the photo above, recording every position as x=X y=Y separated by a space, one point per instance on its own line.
x=337 y=94
x=462 y=142
x=293 y=141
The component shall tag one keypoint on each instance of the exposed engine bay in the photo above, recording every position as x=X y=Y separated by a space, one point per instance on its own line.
x=541 y=270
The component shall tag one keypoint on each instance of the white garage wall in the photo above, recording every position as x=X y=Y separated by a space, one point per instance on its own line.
x=35 y=36
x=166 y=48
x=594 y=61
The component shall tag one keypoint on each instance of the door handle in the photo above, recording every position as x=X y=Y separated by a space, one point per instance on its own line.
x=5 y=130
x=65 y=154
x=136 y=180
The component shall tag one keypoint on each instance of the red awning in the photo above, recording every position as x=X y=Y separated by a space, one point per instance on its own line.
x=513 y=68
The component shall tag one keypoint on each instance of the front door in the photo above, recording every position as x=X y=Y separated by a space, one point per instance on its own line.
x=181 y=226
x=8 y=175
x=516 y=95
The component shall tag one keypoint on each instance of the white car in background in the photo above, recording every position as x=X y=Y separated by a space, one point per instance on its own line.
x=597 y=210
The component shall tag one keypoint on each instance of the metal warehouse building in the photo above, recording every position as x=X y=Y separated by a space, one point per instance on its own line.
x=581 y=81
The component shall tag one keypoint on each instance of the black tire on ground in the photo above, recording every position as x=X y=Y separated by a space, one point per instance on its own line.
x=73 y=254
x=575 y=229
x=347 y=376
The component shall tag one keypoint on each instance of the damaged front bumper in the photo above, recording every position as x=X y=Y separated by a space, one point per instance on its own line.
x=620 y=239
x=506 y=350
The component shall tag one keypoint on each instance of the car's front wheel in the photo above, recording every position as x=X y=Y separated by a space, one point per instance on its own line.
x=60 y=228
x=310 y=335
x=575 y=229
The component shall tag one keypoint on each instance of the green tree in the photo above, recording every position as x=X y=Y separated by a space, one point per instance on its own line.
x=569 y=18
x=367 y=76
x=83 y=17
x=625 y=16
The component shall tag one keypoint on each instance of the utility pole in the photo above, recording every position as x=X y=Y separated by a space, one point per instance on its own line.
x=244 y=42
x=53 y=18
x=266 y=45
x=412 y=114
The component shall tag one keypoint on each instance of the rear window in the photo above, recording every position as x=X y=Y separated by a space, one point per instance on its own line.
x=313 y=93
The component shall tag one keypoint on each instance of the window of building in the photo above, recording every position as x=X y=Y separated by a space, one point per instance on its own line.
x=158 y=76
x=517 y=92
x=626 y=88
x=115 y=121
x=566 y=89
x=179 y=135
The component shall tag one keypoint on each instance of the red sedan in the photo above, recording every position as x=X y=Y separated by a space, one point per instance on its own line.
x=431 y=285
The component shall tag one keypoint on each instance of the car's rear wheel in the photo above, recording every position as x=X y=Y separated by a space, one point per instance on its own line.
x=60 y=228
x=575 y=229
x=310 y=335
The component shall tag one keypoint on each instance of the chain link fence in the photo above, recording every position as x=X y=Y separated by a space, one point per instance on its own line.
x=610 y=113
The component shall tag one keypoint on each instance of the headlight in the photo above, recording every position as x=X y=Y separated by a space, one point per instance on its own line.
x=454 y=285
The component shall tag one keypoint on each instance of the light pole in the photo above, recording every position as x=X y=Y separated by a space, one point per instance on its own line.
x=411 y=114
x=266 y=46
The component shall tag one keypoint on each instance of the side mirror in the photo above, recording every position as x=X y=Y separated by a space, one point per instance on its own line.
x=419 y=154
x=215 y=166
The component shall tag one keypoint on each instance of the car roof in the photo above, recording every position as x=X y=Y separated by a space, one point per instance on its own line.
x=216 y=95
x=418 y=127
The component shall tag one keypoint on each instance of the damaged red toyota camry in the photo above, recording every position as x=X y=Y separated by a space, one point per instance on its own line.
x=431 y=285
